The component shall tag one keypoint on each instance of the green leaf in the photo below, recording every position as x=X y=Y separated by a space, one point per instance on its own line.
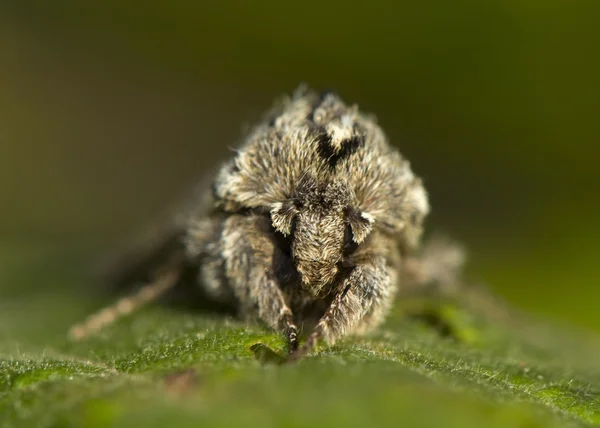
x=168 y=367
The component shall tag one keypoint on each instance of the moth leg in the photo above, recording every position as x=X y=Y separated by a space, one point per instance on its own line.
x=375 y=316
x=366 y=292
x=248 y=250
x=148 y=293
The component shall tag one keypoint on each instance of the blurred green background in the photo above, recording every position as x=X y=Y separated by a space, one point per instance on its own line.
x=109 y=110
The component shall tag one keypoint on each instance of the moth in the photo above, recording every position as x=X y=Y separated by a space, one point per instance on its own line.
x=311 y=226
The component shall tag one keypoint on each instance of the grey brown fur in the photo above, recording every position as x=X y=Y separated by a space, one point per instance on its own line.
x=315 y=212
x=310 y=222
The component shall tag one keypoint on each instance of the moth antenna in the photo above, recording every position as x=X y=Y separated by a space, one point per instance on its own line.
x=150 y=292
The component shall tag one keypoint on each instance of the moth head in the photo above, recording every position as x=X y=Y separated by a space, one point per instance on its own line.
x=323 y=229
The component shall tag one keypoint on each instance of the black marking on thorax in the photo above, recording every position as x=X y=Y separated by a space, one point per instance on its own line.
x=328 y=152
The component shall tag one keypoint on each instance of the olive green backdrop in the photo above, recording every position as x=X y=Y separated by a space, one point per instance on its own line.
x=108 y=111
